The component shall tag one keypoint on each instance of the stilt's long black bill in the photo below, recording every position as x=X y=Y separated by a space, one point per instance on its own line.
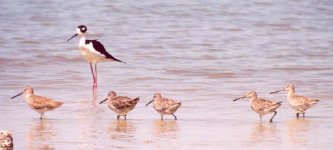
x=103 y=101
x=239 y=98
x=72 y=37
x=276 y=91
x=17 y=95
x=149 y=102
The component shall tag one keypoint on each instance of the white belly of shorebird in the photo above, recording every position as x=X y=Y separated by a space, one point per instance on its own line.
x=91 y=56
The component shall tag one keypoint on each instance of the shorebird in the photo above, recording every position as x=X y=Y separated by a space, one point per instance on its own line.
x=299 y=103
x=164 y=106
x=260 y=105
x=120 y=104
x=6 y=140
x=93 y=52
x=38 y=103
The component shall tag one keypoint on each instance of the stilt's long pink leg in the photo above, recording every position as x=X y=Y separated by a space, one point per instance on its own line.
x=95 y=82
x=95 y=75
x=93 y=72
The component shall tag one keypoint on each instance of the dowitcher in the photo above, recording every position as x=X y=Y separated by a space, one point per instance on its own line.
x=299 y=103
x=164 y=106
x=260 y=105
x=120 y=104
x=93 y=52
x=6 y=140
x=39 y=103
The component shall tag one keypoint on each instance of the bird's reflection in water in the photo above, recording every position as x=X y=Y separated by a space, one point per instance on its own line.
x=298 y=130
x=122 y=130
x=263 y=132
x=166 y=128
x=40 y=134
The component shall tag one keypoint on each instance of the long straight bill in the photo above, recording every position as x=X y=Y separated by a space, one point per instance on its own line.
x=17 y=95
x=276 y=91
x=103 y=101
x=239 y=98
x=149 y=102
x=72 y=37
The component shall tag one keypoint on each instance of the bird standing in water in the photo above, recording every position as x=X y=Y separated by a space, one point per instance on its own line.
x=120 y=104
x=39 y=103
x=299 y=103
x=165 y=106
x=93 y=52
x=260 y=105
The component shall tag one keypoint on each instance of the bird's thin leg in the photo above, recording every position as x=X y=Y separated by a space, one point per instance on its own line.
x=174 y=116
x=95 y=82
x=260 y=118
x=297 y=115
x=41 y=116
x=92 y=72
x=125 y=117
x=161 y=117
x=118 y=116
x=273 y=116
x=95 y=75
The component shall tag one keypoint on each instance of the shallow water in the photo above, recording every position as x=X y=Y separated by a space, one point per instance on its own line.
x=202 y=53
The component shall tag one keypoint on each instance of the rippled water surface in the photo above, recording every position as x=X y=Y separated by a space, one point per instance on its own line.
x=202 y=53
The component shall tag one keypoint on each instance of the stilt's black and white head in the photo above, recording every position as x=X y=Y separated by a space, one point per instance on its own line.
x=80 y=30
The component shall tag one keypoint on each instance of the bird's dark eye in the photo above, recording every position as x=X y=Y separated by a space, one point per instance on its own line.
x=82 y=28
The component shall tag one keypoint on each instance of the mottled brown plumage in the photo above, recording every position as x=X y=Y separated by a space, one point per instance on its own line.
x=260 y=105
x=299 y=103
x=120 y=104
x=165 y=106
x=6 y=140
x=39 y=103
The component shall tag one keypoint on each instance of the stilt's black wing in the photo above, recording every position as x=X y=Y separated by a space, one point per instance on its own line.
x=100 y=48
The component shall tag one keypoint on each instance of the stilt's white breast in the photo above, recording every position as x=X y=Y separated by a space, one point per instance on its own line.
x=89 y=53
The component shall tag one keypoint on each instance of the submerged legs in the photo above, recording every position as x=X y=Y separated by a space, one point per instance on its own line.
x=42 y=116
x=297 y=114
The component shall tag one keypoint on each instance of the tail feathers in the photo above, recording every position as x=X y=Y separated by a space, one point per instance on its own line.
x=114 y=59
x=176 y=105
x=53 y=104
x=57 y=104
x=315 y=101
x=279 y=103
x=136 y=100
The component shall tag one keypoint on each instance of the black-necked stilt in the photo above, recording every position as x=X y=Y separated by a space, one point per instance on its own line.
x=92 y=51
